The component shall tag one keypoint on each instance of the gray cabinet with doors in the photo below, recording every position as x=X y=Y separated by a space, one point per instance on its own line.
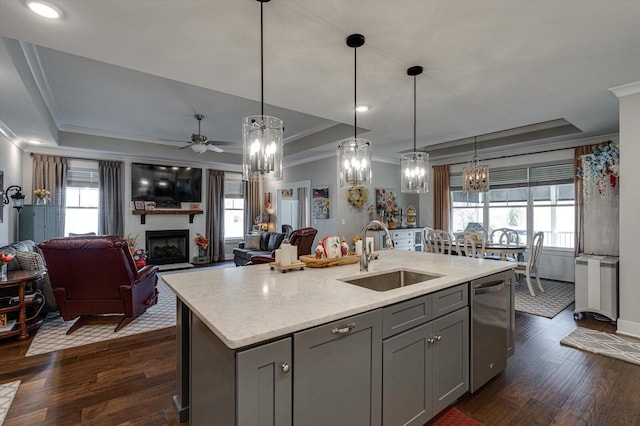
x=39 y=223
x=337 y=372
x=425 y=355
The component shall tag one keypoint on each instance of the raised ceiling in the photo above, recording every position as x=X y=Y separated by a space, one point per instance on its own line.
x=139 y=70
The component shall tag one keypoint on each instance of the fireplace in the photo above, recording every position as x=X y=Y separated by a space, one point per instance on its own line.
x=170 y=246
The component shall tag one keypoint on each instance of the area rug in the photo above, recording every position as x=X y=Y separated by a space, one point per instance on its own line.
x=7 y=392
x=557 y=296
x=454 y=417
x=51 y=335
x=607 y=344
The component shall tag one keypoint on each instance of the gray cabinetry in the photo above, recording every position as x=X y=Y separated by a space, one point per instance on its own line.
x=337 y=372
x=264 y=384
x=511 y=313
x=39 y=223
x=426 y=365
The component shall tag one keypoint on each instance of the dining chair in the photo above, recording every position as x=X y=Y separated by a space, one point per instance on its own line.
x=439 y=241
x=423 y=236
x=506 y=236
x=469 y=244
x=532 y=263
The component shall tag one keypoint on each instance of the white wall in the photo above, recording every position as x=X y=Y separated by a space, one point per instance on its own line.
x=629 y=291
x=11 y=165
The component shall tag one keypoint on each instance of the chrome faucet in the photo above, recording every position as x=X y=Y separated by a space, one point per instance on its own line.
x=366 y=258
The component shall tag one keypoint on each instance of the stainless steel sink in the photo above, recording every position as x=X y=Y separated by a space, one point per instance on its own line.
x=390 y=280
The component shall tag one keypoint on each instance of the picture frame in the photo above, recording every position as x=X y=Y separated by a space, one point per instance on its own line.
x=149 y=205
x=287 y=193
x=320 y=202
x=139 y=205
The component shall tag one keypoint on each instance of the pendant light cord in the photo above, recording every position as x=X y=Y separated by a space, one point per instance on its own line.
x=261 y=63
x=475 y=146
x=355 y=93
x=414 y=114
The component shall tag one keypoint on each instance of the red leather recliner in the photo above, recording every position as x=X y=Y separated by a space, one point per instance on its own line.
x=96 y=275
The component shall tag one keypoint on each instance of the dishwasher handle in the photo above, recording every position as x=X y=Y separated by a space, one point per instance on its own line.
x=492 y=287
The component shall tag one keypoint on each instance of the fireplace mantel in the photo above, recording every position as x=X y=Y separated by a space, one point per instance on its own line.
x=144 y=213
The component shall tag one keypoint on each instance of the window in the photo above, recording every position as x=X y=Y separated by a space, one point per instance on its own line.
x=233 y=209
x=534 y=199
x=233 y=218
x=81 y=209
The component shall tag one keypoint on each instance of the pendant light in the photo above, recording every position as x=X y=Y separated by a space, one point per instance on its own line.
x=354 y=154
x=475 y=176
x=415 y=165
x=262 y=135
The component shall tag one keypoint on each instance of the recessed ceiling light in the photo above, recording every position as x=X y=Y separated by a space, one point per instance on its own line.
x=362 y=108
x=34 y=141
x=45 y=9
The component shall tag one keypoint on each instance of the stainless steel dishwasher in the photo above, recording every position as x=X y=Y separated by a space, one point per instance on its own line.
x=488 y=328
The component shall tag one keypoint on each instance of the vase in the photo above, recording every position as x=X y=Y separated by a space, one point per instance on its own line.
x=140 y=263
x=41 y=201
x=202 y=252
x=3 y=272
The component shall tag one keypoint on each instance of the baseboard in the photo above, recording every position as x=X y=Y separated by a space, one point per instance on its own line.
x=628 y=328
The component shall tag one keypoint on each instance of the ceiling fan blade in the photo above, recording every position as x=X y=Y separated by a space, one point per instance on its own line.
x=185 y=147
x=215 y=148
x=221 y=143
x=174 y=140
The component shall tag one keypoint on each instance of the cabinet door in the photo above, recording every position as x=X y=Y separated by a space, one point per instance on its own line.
x=407 y=393
x=450 y=358
x=338 y=365
x=264 y=384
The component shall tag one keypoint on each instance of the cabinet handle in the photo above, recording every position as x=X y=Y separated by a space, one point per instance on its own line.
x=285 y=368
x=344 y=330
x=438 y=338
x=508 y=283
x=431 y=340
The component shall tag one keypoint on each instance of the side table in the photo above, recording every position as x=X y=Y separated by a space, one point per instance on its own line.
x=20 y=279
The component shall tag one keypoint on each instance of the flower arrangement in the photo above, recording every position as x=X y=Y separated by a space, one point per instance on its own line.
x=202 y=241
x=600 y=169
x=5 y=258
x=131 y=240
x=41 y=193
x=140 y=254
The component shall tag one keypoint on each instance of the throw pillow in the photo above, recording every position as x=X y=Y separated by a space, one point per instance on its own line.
x=252 y=242
x=29 y=261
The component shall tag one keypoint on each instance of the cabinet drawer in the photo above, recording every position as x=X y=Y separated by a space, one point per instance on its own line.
x=450 y=299
x=402 y=235
x=405 y=315
x=403 y=242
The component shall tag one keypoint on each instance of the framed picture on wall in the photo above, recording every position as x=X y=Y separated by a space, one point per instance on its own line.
x=320 y=203
x=139 y=204
x=287 y=193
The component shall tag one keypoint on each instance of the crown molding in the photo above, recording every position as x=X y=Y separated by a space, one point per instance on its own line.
x=626 y=89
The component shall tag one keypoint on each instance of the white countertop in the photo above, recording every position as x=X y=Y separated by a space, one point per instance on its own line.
x=251 y=304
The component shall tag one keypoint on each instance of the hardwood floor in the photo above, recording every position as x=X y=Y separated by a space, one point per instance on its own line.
x=132 y=381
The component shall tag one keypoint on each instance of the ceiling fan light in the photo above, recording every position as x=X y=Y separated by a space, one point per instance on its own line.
x=199 y=147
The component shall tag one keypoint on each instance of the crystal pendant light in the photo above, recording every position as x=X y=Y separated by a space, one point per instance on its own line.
x=262 y=135
x=415 y=165
x=354 y=154
x=475 y=176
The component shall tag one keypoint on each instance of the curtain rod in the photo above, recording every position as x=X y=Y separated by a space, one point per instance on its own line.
x=515 y=155
x=31 y=154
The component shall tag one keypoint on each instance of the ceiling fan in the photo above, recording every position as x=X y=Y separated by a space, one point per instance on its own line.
x=199 y=142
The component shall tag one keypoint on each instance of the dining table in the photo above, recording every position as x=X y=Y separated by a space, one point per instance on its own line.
x=505 y=249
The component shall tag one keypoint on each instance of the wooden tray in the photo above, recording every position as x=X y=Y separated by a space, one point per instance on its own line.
x=283 y=269
x=312 y=262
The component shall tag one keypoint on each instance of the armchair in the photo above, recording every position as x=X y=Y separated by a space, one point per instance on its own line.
x=96 y=275
x=302 y=238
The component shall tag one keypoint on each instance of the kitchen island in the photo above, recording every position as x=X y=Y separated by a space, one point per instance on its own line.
x=227 y=316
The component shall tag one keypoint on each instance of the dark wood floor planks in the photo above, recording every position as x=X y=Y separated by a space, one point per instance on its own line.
x=132 y=380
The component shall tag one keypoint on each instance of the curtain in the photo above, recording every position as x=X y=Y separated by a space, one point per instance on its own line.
x=252 y=205
x=579 y=212
x=215 y=215
x=441 y=197
x=110 y=217
x=50 y=173
x=303 y=207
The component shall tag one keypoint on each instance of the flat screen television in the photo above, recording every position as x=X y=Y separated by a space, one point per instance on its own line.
x=168 y=186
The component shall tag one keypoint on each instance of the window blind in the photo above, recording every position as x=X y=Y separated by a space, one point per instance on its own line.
x=82 y=178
